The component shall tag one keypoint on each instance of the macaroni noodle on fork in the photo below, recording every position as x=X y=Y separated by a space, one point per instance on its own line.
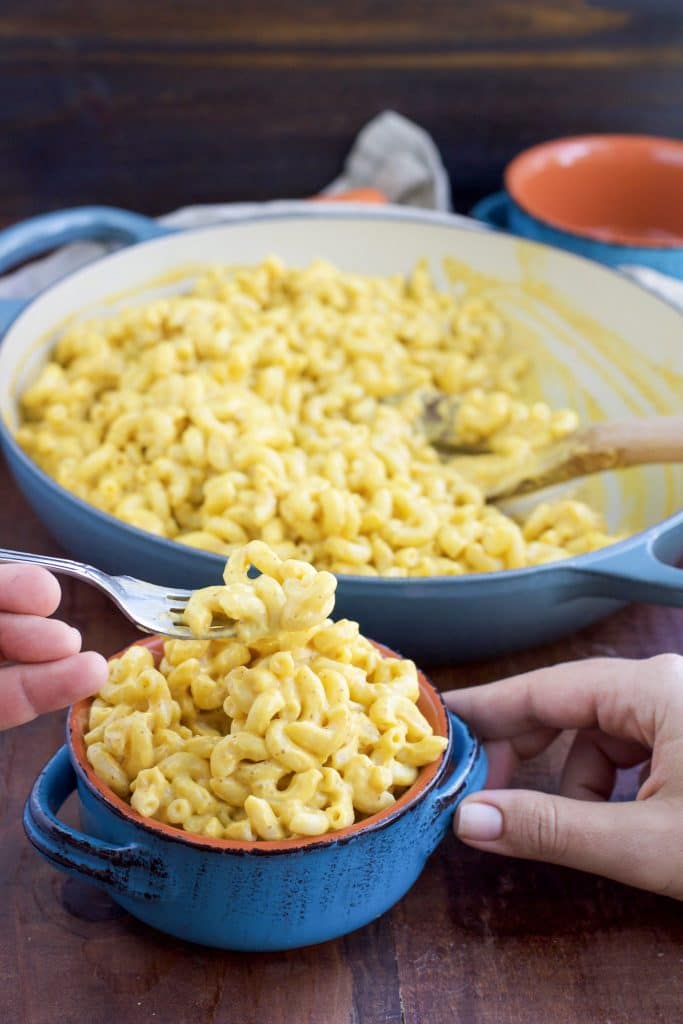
x=298 y=727
x=266 y=404
x=289 y=596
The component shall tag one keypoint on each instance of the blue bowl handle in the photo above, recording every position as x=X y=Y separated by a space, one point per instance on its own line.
x=30 y=238
x=634 y=574
x=129 y=870
x=466 y=772
x=493 y=210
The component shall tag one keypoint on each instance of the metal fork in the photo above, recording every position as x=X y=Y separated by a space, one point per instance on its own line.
x=153 y=609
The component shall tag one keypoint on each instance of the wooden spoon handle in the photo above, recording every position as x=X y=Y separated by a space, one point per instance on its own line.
x=593 y=450
x=635 y=442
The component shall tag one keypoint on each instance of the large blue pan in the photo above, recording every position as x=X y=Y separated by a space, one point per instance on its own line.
x=605 y=346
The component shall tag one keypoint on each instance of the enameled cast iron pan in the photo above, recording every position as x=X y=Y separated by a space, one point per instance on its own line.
x=605 y=346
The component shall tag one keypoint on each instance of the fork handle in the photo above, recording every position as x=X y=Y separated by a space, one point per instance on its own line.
x=64 y=566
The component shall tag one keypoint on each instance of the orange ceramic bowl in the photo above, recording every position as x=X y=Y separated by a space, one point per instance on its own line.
x=620 y=189
x=613 y=198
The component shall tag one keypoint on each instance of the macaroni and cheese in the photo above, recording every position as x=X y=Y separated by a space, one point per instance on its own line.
x=299 y=727
x=287 y=597
x=273 y=403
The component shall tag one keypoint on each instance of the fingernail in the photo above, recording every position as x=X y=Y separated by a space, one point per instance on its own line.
x=480 y=822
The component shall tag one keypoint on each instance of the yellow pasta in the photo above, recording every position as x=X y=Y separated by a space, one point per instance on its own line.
x=288 y=596
x=297 y=727
x=273 y=404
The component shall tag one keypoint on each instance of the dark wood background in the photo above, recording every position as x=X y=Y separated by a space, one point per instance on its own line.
x=154 y=104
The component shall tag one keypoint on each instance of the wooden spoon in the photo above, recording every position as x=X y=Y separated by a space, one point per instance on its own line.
x=589 y=450
x=594 y=449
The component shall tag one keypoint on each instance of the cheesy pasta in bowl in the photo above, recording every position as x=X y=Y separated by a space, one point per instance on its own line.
x=299 y=726
x=261 y=792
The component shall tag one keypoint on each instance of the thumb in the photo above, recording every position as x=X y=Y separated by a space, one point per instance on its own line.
x=629 y=842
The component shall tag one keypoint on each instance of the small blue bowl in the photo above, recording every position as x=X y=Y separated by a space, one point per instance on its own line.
x=251 y=896
x=617 y=199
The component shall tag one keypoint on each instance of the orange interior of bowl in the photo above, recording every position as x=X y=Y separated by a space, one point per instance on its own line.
x=626 y=189
x=430 y=704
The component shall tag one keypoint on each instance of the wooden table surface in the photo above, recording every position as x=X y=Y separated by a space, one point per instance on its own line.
x=478 y=940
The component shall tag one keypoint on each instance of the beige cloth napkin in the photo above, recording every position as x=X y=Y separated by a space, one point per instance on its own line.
x=400 y=159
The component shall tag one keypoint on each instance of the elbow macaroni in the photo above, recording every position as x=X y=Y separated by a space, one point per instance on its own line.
x=254 y=407
x=297 y=727
x=289 y=596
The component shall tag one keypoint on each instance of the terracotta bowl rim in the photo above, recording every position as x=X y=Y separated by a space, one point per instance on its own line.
x=427 y=779
x=614 y=237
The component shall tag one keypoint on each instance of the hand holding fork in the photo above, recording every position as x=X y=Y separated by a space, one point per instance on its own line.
x=44 y=668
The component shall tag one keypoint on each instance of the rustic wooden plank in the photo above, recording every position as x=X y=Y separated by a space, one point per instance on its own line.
x=483 y=939
x=489 y=940
x=266 y=22
x=226 y=96
x=638 y=631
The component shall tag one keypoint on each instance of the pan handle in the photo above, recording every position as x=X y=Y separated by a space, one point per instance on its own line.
x=641 y=572
x=37 y=235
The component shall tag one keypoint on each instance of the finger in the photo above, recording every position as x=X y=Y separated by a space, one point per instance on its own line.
x=621 y=697
x=30 y=690
x=32 y=638
x=502 y=763
x=590 y=769
x=504 y=756
x=638 y=843
x=28 y=589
